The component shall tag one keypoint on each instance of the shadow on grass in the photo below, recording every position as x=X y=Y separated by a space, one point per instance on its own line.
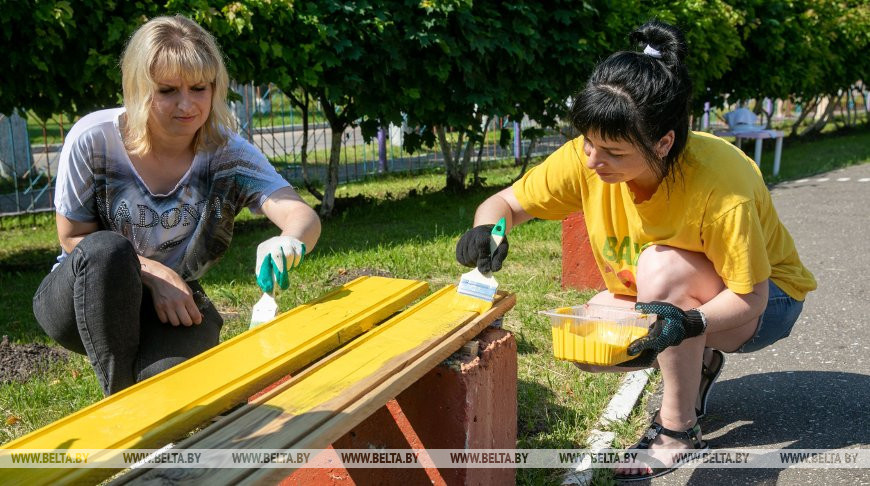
x=361 y=223
x=21 y=272
x=28 y=260
x=538 y=410
x=364 y=224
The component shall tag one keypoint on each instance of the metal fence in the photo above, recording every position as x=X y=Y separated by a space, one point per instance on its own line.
x=28 y=161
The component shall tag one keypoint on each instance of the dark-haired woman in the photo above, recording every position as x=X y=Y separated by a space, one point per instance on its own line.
x=681 y=225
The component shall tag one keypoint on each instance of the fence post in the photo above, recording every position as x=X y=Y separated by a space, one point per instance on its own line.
x=382 y=150
x=517 y=155
x=705 y=120
x=245 y=108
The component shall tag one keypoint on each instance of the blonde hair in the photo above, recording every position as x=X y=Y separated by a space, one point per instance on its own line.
x=173 y=47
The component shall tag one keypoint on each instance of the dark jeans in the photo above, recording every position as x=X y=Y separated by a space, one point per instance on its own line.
x=94 y=303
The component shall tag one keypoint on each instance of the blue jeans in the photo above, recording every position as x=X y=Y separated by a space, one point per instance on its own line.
x=94 y=303
x=777 y=320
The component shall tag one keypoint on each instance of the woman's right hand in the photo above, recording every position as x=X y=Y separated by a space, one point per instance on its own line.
x=173 y=299
x=473 y=249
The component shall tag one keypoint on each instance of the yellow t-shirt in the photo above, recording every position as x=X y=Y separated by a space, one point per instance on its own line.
x=719 y=206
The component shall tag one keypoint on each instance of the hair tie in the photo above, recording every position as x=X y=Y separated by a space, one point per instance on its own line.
x=652 y=52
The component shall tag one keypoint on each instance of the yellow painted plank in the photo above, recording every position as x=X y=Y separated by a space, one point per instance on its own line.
x=334 y=395
x=162 y=408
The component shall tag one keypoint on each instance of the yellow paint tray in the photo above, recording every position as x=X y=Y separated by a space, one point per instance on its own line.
x=597 y=335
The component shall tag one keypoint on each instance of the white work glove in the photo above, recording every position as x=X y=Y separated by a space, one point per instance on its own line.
x=275 y=257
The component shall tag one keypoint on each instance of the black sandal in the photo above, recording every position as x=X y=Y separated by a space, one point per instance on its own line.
x=655 y=428
x=708 y=377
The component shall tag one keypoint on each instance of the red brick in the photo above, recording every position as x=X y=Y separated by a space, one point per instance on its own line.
x=466 y=403
x=579 y=270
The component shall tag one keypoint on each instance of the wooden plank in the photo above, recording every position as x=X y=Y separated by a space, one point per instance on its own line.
x=331 y=397
x=163 y=408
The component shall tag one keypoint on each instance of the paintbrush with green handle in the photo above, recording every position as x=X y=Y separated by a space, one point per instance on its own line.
x=477 y=289
x=275 y=257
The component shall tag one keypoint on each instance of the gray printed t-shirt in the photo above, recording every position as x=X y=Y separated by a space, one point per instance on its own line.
x=187 y=229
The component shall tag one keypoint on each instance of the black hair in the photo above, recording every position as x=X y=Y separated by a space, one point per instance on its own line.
x=639 y=97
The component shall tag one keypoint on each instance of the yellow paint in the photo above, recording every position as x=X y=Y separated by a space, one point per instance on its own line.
x=469 y=303
x=429 y=320
x=594 y=342
x=164 y=407
x=323 y=391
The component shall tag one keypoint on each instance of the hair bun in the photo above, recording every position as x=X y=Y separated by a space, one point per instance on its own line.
x=664 y=38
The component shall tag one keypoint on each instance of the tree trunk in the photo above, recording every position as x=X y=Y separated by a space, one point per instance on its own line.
x=328 y=202
x=476 y=181
x=806 y=111
x=337 y=124
x=851 y=107
x=466 y=157
x=817 y=126
x=526 y=159
x=303 y=106
x=455 y=174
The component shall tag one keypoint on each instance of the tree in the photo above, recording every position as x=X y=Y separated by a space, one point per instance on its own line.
x=711 y=30
x=335 y=52
x=61 y=56
x=805 y=50
x=489 y=58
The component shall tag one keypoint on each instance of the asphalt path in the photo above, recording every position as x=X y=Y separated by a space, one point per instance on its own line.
x=812 y=389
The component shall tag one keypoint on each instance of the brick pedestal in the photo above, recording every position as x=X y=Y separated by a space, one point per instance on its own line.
x=464 y=403
x=579 y=270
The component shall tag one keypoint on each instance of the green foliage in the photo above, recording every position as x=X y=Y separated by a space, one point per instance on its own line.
x=798 y=48
x=338 y=52
x=437 y=63
x=61 y=56
x=711 y=29
x=490 y=58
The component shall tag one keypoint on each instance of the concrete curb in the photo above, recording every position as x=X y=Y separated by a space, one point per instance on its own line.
x=617 y=410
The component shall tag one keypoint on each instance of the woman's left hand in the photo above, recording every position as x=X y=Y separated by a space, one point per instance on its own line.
x=670 y=329
x=173 y=299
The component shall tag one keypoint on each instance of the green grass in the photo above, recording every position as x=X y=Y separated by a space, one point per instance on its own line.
x=360 y=152
x=58 y=391
x=52 y=133
x=408 y=227
x=805 y=157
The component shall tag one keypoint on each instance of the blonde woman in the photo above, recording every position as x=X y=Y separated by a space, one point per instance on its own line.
x=146 y=197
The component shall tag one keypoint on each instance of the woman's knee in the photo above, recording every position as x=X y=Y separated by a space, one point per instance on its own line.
x=109 y=250
x=158 y=366
x=672 y=274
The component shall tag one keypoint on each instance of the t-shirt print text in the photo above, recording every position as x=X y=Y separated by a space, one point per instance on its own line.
x=184 y=214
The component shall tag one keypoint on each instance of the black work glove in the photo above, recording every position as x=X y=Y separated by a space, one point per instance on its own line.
x=672 y=326
x=472 y=249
